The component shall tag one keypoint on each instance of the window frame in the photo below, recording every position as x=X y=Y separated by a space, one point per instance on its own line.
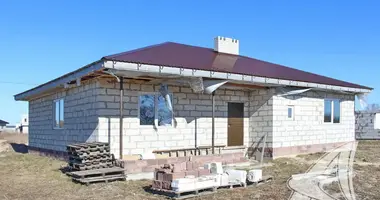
x=59 y=114
x=332 y=110
x=287 y=112
x=155 y=124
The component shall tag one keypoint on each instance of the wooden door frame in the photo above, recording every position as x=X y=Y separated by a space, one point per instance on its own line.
x=242 y=122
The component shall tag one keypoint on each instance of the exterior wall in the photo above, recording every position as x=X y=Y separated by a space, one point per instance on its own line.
x=192 y=113
x=92 y=114
x=261 y=120
x=80 y=119
x=365 y=125
x=307 y=132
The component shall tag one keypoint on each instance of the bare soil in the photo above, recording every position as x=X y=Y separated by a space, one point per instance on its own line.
x=26 y=176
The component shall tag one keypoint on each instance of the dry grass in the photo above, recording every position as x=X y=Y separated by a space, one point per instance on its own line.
x=14 y=137
x=25 y=176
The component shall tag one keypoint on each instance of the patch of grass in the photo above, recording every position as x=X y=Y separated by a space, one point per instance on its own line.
x=26 y=176
x=311 y=156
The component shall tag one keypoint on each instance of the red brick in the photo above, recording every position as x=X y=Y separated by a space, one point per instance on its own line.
x=157 y=184
x=173 y=176
x=133 y=170
x=172 y=160
x=189 y=165
x=179 y=167
x=192 y=173
x=167 y=185
x=149 y=168
x=160 y=176
x=138 y=163
x=151 y=162
x=203 y=172
x=162 y=161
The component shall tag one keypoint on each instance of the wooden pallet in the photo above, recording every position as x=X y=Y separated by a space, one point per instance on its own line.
x=98 y=175
x=205 y=191
x=91 y=166
x=184 y=194
x=233 y=185
x=92 y=160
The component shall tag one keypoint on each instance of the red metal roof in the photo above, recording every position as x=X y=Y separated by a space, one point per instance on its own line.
x=193 y=57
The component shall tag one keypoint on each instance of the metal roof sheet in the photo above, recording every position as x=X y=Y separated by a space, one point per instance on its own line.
x=193 y=57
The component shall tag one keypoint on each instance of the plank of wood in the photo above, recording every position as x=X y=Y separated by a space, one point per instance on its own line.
x=97 y=171
x=185 y=194
x=99 y=179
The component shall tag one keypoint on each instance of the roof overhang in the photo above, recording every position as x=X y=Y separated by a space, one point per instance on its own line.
x=133 y=70
x=59 y=82
x=125 y=67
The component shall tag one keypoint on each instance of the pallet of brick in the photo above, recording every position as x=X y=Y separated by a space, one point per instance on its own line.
x=168 y=175
x=99 y=175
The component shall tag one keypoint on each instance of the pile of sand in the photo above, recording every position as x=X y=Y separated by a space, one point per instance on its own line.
x=4 y=146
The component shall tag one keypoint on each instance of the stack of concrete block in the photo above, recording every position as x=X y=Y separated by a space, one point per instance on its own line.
x=149 y=165
x=164 y=176
x=237 y=176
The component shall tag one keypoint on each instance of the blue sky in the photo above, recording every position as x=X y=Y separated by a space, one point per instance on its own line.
x=41 y=40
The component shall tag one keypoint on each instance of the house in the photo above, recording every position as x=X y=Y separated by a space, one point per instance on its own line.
x=3 y=124
x=174 y=97
x=24 y=124
x=367 y=125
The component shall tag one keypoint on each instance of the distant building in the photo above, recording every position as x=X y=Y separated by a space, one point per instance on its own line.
x=367 y=125
x=3 y=124
x=24 y=124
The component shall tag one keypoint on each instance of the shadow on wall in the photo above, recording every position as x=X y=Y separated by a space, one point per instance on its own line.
x=256 y=132
x=198 y=118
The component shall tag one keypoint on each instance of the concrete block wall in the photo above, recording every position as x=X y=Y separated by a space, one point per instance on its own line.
x=80 y=119
x=261 y=117
x=364 y=125
x=192 y=113
x=308 y=127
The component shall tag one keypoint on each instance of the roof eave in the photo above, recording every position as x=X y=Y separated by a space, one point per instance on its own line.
x=171 y=70
x=60 y=81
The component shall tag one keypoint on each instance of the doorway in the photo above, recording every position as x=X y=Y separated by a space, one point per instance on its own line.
x=235 y=124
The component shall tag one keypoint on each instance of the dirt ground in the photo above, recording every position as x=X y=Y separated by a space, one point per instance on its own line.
x=26 y=176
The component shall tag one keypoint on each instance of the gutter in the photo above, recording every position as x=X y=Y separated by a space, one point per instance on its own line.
x=166 y=70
